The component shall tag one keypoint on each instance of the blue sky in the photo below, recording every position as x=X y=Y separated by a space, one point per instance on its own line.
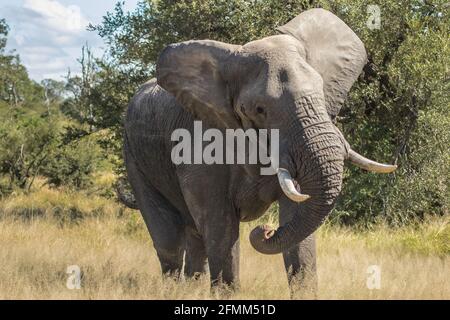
x=48 y=34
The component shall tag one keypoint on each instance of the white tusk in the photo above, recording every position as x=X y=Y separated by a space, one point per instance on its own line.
x=368 y=164
x=287 y=185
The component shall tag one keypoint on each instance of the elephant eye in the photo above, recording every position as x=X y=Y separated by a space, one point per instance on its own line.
x=259 y=109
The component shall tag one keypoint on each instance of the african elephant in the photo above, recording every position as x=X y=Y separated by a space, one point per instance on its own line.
x=295 y=81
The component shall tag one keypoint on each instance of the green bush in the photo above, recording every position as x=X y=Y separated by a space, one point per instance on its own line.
x=34 y=130
x=26 y=144
x=422 y=185
x=32 y=145
x=73 y=165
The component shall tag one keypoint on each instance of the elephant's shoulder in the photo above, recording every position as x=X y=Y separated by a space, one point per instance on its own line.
x=150 y=102
x=151 y=92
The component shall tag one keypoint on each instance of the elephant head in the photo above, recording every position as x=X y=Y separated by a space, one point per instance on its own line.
x=296 y=82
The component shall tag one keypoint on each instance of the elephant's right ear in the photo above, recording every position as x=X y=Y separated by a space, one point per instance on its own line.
x=196 y=73
x=332 y=49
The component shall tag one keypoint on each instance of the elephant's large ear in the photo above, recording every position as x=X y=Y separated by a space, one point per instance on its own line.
x=197 y=73
x=332 y=49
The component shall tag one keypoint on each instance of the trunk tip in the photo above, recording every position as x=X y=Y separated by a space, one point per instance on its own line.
x=258 y=237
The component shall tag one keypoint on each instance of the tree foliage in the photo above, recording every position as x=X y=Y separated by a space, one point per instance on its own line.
x=33 y=129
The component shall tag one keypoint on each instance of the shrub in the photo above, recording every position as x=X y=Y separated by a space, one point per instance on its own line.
x=73 y=165
x=26 y=143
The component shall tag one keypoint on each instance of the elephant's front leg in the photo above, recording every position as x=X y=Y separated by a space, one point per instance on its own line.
x=222 y=246
x=299 y=260
x=215 y=219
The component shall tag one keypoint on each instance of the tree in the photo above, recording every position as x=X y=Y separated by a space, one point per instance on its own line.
x=26 y=144
x=53 y=92
x=32 y=130
x=16 y=88
x=3 y=35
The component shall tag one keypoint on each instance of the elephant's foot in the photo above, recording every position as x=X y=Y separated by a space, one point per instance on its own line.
x=224 y=274
x=224 y=290
x=196 y=263
x=171 y=263
x=303 y=286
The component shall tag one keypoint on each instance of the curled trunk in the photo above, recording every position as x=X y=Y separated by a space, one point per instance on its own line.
x=319 y=165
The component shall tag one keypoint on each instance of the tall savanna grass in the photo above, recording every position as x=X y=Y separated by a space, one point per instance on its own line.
x=46 y=231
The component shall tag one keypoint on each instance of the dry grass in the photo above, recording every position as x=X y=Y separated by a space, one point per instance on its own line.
x=118 y=261
x=63 y=206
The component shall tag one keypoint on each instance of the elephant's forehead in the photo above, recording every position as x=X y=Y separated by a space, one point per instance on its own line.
x=278 y=66
x=279 y=46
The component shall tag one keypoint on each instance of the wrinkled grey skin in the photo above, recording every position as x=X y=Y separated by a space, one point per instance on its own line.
x=295 y=82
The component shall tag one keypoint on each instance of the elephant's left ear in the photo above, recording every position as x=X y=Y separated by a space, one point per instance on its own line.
x=332 y=49
x=198 y=74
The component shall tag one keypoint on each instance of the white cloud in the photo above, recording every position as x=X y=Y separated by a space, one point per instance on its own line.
x=48 y=36
x=54 y=15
